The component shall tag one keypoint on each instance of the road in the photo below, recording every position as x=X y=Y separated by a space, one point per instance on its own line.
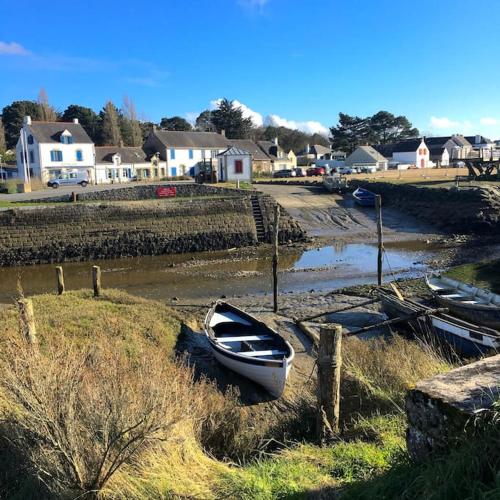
x=67 y=190
x=335 y=216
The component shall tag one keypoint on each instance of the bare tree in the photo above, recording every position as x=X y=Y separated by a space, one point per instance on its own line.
x=47 y=112
x=131 y=129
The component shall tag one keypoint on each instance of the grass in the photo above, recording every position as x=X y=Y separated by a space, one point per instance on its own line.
x=485 y=274
x=368 y=461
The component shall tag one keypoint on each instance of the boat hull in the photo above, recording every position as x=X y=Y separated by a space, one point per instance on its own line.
x=364 y=198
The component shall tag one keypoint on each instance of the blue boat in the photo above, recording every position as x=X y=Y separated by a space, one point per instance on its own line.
x=364 y=198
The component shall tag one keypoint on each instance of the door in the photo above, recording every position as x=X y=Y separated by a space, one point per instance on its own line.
x=422 y=163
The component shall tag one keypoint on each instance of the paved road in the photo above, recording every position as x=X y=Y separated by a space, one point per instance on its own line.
x=337 y=216
x=49 y=192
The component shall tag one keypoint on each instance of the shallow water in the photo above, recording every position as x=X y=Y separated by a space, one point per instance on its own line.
x=210 y=275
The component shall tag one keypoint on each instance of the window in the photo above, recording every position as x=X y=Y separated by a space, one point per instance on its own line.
x=32 y=157
x=56 y=155
x=191 y=154
x=79 y=155
x=30 y=139
x=214 y=153
x=238 y=166
x=66 y=139
x=127 y=173
x=172 y=154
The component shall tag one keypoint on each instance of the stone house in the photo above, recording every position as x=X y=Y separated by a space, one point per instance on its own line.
x=280 y=160
x=235 y=164
x=47 y=149
x=457 y=146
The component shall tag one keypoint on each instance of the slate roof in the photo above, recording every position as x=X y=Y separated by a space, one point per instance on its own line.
x=195 y=140
x=320 y=150
x=257 y=153
x=234 y=151
x=369 y=151
x=50 y=132
x=104 y=154
x=268 y=146
x=459 y=140
x=388 y=150
x=472 y=139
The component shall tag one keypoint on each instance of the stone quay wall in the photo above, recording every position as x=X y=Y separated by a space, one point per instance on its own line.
x=84 y=232
x=446 y=409
x=468 y=210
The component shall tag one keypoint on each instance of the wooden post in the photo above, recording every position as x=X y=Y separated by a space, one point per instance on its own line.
x=96 y=280
x=27 y=320
x=74 y=196
x=328 y=389
x=275 y=256
x=378 y=207
x=60 y=280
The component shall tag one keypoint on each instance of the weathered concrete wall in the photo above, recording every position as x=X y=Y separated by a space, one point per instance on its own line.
x=474 y=210
x=80 y=232
x=444 y=410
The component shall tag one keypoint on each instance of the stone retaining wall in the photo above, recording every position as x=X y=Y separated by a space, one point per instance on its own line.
x=469 y=210
x=80 y=232
x=444 y=410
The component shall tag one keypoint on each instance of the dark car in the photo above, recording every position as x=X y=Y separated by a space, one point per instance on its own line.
x=316 y=171
x=283 y=173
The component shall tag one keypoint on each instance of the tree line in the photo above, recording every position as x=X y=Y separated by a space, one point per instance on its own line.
x=114 y=126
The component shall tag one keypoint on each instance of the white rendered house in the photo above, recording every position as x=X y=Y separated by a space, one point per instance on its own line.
x=47 y=149
x=411 y=152
x=235 y=164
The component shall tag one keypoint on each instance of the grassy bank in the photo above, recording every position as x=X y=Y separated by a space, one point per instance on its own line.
x=105 y=376
x=484 y=274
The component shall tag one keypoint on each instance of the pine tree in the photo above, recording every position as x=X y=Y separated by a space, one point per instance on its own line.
x=48 y=113
x=229 y=118
x=110 y=131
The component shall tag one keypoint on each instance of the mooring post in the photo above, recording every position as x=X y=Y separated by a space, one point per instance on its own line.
x=328 y=389
x=275 y=256
x=74 y=197
x=96 y=280
x=27 y=320
x=378 y=208
x=60 y=280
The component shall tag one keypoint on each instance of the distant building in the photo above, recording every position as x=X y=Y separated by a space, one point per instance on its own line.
x=411 y=152
x=47 y=149
x=457 y=147
x=366 y=156
x=235 y=164
x=481 y=144
x=261 y=161
x=318 y=152
x=123 y=164
x=185 y=152
x=280 y=160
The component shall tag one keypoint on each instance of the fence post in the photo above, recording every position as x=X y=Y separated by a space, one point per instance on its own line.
x=60 y=280
x=328 y=389
x=378 y=207
x=96 y=280
x=27 y=320
x=275 y=256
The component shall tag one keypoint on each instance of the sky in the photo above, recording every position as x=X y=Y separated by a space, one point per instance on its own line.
x=296 y=63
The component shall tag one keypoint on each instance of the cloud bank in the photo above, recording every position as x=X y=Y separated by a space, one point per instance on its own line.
x=444 y=123
x=12 y=49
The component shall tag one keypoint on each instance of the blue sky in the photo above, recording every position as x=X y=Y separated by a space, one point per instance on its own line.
x=291 y=62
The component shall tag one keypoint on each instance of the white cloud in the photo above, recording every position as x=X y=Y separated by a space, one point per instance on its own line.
x=489 y=121
x=253 y=4
x=12 y=49
x=445 y=123
x=257 y=118
x=309 y=127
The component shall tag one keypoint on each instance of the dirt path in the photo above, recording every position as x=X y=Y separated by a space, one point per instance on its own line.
x=334 y=216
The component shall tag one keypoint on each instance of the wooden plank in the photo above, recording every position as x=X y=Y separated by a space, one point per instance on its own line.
x=245 y=338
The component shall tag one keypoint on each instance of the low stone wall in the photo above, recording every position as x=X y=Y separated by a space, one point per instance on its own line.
x=80 y=232
x=444 y=410
x=469 y=210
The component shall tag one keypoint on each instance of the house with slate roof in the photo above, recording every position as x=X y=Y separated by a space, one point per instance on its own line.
x=123 y=164
x=280 y=160
x=261 y=161
x=234 y=164
x=366 y=156
x=410 y=152
x=46 y=149
x=457 y=147
x=185 y=152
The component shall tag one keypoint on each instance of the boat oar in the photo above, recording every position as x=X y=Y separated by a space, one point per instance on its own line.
x=401 y=319
x=361 y=304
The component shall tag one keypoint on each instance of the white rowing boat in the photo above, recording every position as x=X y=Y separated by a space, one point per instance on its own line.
x=249 y=347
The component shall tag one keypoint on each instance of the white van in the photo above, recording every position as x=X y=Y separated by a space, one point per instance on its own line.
x=69 y=179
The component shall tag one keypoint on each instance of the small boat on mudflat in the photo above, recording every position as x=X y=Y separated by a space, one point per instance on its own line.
x=467 y=338
x=249 y=347
x=364 y=198
x=466 y=301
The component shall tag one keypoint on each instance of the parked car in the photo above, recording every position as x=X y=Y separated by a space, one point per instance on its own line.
x=69 y=179
x=299 y=172
x=368 y=169
x=315 y=171
x=347 y=170
x=284 y=173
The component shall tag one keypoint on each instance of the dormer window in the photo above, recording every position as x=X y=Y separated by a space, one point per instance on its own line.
x=66 y=138
x=30 y=139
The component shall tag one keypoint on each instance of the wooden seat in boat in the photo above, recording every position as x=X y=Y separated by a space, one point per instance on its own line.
x=259 y=354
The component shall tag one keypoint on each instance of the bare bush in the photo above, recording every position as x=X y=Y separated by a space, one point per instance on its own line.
x=79 y=414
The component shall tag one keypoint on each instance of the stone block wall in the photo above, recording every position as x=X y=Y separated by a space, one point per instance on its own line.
x=444 y=410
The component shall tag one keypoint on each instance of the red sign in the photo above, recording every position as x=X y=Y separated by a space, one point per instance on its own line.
x=166 y=192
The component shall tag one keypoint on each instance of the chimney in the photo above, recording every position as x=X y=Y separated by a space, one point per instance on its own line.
x=75 y=120
x=27 y=120
x=478 y=139
x=223 y=133
x=275 y=141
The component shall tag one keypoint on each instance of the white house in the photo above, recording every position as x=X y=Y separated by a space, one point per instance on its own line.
x=123 y=164
x=185 y=152
x=235 y=164
x=411 y=152
x=46 y=149
x=457 y=147
x=366 y=156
